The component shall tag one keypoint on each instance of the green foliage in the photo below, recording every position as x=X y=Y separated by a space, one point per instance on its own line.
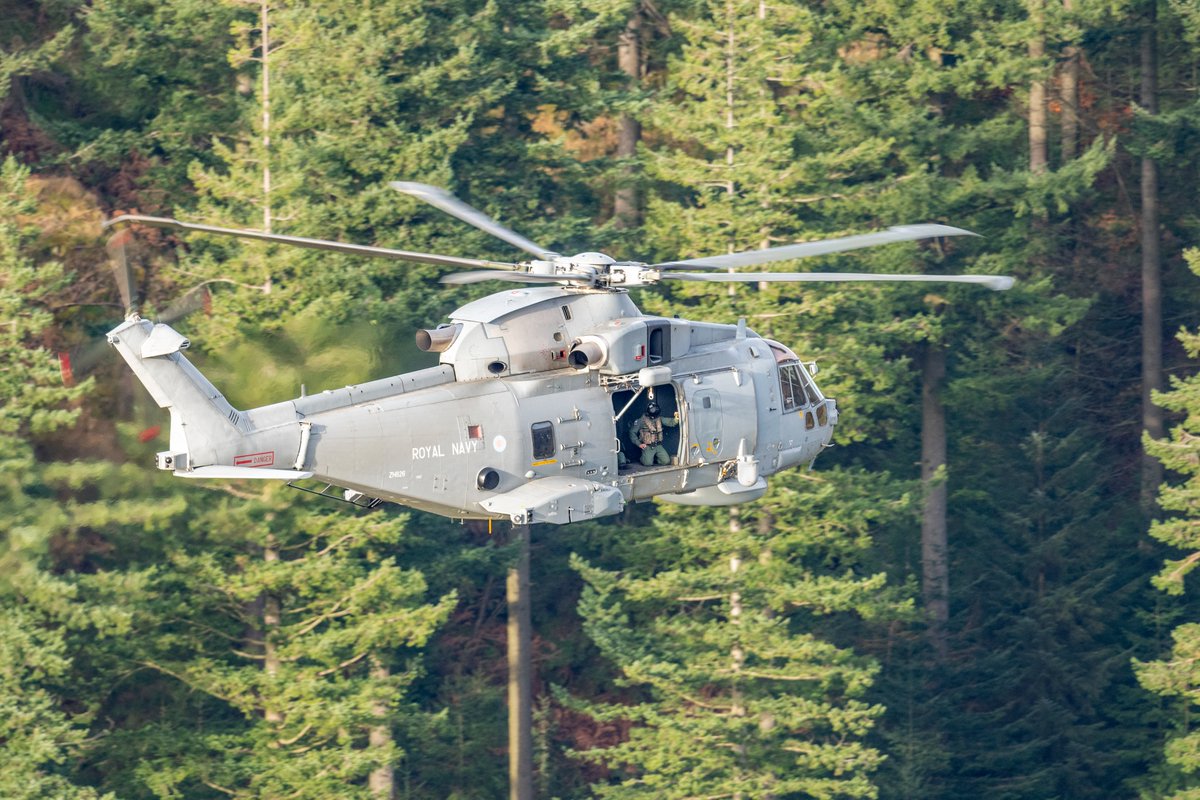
x=136 y=635
x=1179 y=454
x=1176 y=675
x=30 y=388
x=39 y=738
x=309 y=687
x=21 y=52
x=712 y=618
x=439 y=93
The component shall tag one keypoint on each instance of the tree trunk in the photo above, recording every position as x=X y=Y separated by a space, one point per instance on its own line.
x=382 y=780
x=935 y=568
x=520 y=673
x=737 y=656
x=1038 y=153
x=1152 y=378
x=629 y=60
x=271 y=619
x=730 y=155
x=1068 y=94
x=264 y=25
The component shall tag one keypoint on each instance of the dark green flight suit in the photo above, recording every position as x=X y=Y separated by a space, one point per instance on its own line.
x=647 y=433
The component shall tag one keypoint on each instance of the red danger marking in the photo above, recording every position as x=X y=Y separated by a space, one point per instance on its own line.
x=64 y=366
x=255 y=460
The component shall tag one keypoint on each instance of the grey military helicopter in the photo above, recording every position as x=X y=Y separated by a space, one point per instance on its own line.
x=529 y=414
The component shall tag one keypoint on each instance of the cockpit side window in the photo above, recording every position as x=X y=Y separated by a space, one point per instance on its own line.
x=791 y=387
x=810 y=388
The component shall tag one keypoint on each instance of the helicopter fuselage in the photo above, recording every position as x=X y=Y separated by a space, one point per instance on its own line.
x=527 y=417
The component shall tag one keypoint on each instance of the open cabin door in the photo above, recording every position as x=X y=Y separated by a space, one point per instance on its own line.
x=628 y=406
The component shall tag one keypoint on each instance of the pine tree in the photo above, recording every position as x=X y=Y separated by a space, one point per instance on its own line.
x=442 y=94
x=294 y=620
x=961 y=156
x=1176 y=676
x=321 y=720
x=740 y=698
x=41 y=735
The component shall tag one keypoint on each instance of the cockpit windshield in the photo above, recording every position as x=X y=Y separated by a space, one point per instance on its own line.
x=796 y=386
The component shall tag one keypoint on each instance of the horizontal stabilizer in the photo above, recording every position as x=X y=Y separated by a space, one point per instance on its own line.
x=238 y=473
x=163 y=341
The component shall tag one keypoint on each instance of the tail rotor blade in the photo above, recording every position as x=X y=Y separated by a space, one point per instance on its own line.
x=122 y=271
x=192 y=301
x=441 y=199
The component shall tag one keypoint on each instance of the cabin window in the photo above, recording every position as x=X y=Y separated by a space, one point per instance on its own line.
x=543 y=440
x=792 y=387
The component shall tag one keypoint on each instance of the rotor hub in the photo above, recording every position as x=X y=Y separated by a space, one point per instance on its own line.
x=590 y=258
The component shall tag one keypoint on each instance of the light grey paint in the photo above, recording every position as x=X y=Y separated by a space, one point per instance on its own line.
x=428 y=439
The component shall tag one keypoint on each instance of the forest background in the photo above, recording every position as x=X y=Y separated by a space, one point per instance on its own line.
x=957 y=602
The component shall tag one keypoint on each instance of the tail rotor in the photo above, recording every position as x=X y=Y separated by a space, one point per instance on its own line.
x=122 y=249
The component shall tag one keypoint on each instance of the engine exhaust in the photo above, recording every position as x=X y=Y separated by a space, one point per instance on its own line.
x=439 y=339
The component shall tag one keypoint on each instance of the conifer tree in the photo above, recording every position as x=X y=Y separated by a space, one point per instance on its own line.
x=41 y=734
x=442 y=95
x=321 y=722
x=1002 y=355
x=740 y=698
x=1176 y=675
x=149 y=88
x=315 y=644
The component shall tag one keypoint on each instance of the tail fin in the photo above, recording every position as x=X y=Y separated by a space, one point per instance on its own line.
x=204 y=426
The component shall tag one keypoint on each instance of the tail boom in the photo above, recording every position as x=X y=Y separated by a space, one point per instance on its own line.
x=209 y=437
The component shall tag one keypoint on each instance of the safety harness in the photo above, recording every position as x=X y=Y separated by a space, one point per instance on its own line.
x=651 y=431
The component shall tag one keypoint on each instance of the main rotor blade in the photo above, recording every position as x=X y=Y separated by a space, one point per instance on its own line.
x=511 y=277
x=313 y=244
x=900 y=233
x=441 y=199
x=996 y=283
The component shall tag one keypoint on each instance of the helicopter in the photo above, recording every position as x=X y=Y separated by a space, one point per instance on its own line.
x=532 y=414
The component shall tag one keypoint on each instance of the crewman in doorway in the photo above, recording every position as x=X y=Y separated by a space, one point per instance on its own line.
x=647 y=433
